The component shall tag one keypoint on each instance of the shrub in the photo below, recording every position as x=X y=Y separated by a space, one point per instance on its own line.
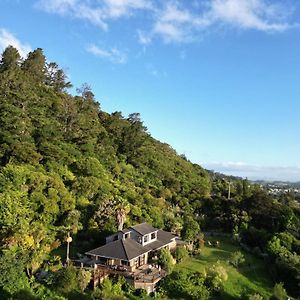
x=185 y=285
x=84 y=278
x=66 y=280
x=216 y=277
x=279 y=293
x=237 y=258
x=108 y=291
x=165 y=259
x=181 y=254
x=256 y=297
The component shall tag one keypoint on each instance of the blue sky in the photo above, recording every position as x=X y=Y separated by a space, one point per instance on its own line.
x=218 y=80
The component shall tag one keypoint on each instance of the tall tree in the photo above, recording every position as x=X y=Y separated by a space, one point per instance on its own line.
x=56 y=77
x=10 y=59
x=122 y=209
x=35 y=64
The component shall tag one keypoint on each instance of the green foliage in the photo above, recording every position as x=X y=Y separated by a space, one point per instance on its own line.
x=237 y=258
x=165 y=259
x=185 y=285
x=181 y=253
x=12 y=276
x=56 y=77
x=84 y=278
x=190 y=229
x=216 y=276
x=195 y=285
x=40 y=293
x=250 y=278
x=109 y=291
x=283 y=249
x=255 y=297
x=10 y=59
x=66 y=280
x=35 y=65
x=65 y=165
x=279 y=292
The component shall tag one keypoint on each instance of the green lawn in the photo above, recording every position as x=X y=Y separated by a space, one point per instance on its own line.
x=251 y=277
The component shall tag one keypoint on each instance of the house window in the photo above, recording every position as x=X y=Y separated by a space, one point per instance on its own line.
x=124 y=262
x=146 y=239
x=142 y=260
x=153 y=236
x=127 y=235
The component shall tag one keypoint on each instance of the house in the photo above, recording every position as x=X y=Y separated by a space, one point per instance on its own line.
x=132 y=248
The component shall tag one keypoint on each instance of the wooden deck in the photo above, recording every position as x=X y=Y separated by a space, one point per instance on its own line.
x=153 y=277
x=141 y=276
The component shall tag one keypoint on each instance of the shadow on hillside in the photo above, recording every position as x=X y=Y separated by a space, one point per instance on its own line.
x=77 y=296
x=224 y=296
x=256 y=274
x=218 y=254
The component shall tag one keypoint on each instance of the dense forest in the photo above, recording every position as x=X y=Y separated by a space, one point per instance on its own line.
x=66 y=166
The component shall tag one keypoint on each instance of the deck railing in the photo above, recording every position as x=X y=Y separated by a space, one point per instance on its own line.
x=153 y=277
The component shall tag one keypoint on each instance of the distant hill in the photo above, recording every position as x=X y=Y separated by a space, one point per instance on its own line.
x=279 y=183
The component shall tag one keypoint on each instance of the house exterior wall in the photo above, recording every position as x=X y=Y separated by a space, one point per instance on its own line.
x=114 y=237
x=149 y=287
x=146 y=256
x=117 y=262
x=132 y=266
x=141 y=238
x=172 y=245
x=149 y=238
x=136 y=236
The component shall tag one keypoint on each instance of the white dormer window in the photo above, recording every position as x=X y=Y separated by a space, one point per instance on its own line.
x=146 y=238
x=153 y=235
x=127 y=235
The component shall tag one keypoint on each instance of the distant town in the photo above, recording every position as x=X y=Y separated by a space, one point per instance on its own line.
x=278 y=188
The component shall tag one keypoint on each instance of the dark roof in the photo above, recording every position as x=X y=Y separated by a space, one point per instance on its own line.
x=144 y=228
x=128 y=249
x=163 y=238
x=121 y=249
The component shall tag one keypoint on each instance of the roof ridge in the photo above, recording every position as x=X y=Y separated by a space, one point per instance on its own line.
x=143 y=223
x=144 y=228
x=122 y=243
x=113 y=242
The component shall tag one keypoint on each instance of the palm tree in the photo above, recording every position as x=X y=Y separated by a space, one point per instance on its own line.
x=122 y=210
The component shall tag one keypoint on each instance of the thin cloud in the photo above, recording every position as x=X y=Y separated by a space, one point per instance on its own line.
x=248 y=14
x=182 y=55
x=174 y=23
x=143 y=37
x=75 y=9
x=8 y=39
x=95 y=12
x=177 y=21
x=153 y=71
x=113 y=55
x=242 y=169
x=120 y=8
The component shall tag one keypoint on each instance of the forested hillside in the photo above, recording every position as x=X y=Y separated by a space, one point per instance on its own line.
x=67 y=166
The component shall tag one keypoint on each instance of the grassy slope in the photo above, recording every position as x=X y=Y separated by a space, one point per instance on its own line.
x=251 y=277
